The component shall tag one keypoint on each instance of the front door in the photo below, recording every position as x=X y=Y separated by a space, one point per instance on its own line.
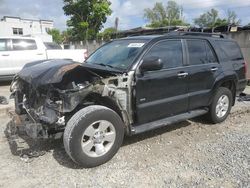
x=162 y=93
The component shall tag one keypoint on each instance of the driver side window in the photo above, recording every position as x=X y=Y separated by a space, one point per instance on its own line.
x=169 y=51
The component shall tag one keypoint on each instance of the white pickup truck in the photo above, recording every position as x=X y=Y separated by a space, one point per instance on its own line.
x=15 y=52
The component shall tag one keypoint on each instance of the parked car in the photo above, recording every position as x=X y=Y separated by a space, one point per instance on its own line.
x=15 y=52
x=127 y=87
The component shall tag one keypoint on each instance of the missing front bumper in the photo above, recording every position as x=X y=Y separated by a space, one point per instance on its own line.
x=25 y=123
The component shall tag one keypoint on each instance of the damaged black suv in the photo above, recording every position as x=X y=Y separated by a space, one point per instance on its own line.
x=128 y=86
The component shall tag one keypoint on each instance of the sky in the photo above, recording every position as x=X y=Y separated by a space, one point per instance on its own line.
x=129 y=12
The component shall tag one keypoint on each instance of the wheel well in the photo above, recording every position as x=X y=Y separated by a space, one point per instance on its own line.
x=231 y=86
x=97 y=99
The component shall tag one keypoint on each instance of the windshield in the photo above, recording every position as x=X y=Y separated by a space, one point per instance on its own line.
x=118 y=54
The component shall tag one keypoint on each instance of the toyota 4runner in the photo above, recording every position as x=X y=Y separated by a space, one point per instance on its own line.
x=127 y=87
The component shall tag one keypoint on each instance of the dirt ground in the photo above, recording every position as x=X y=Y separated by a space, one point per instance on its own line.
x=5 y=89
x=189 y=154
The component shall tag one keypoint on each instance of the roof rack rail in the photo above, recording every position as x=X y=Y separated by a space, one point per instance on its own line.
x=217 y=35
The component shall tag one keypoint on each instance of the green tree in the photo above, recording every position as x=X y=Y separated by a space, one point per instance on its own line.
x=220 y=22
x=161 y=16
x=174 y=12
x=106 y=35
x=86 y=17
x=232 y=18
x=67 y=35
x=202 y=21
x=211 y=19
x=156 y=16
x=56 y=35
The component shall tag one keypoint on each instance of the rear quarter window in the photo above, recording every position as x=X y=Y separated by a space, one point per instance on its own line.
x=229 y=51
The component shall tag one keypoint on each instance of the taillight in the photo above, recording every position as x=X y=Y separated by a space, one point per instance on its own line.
x=85 y=55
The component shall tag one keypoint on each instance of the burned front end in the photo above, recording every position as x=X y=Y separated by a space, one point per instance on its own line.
x=48 y=93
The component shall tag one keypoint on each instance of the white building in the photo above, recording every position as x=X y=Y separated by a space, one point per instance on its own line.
x=11 y=26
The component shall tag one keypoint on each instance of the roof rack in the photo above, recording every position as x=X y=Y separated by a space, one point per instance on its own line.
x=217 y=35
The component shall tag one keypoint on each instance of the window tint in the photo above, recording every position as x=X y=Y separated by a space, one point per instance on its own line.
x=210 y=54
x=197 y=52
x=169 y=51
x=24 y=44
x=229 y=51
x=3 y=45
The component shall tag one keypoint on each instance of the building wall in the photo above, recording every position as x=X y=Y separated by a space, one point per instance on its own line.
x=29 y=27
x=90 y=45
x=243 y=39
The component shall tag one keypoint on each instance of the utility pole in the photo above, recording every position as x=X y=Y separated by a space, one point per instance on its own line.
x=116 y=26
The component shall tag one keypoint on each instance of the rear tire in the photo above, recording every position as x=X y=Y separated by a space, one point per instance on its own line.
x=93 y=135
x=221 y=105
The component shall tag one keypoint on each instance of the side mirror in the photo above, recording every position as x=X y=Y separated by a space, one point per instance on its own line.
x=151 y=64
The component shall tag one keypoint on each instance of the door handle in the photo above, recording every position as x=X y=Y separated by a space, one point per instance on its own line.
x=213 y=69
x=182 y=74
x=39 y=54
x=6 y=55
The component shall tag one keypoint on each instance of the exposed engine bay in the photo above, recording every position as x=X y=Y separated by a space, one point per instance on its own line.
x=48 y=93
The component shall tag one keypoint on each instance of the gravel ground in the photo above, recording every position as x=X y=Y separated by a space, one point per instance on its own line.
x=5 y=92
x=189 y=154
x=5 y=89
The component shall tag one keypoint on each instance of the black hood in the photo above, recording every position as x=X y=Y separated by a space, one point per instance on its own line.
x=52 y=71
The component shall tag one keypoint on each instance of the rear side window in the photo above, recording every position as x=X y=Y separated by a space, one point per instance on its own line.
x=211 y=58
x=24 y=44
x=229 y=51
x=197 y=52
x=3 y=45
x=169 y=51
x=200 y=52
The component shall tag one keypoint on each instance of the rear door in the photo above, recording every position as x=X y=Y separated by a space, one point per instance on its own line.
x=24 y=51
x=203 y=68
x=162 y=93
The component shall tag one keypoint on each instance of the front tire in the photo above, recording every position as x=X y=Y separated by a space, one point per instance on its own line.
x=221 y=105
x=93 y=135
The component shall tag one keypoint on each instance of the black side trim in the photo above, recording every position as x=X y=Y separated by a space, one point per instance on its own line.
x=137 y=129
